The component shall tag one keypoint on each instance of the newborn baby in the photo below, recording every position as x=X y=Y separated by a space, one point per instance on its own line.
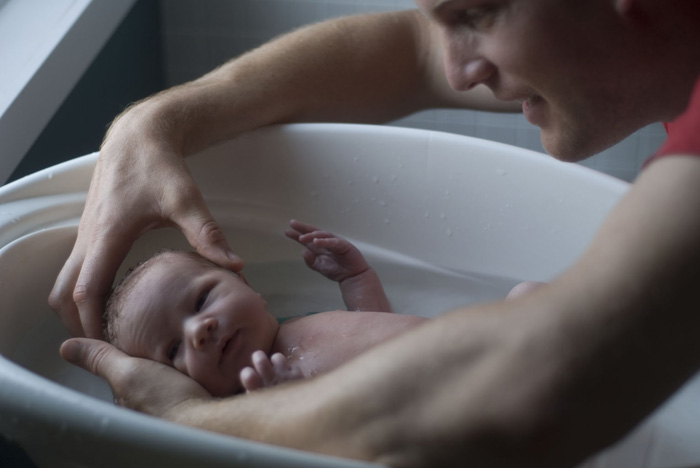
x=184 y=311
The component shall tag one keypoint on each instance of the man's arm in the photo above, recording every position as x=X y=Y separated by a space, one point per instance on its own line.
x=542 y=380
x=361 y=69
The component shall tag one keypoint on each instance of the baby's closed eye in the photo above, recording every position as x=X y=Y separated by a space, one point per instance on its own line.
x=174 y=350
x=201 y=300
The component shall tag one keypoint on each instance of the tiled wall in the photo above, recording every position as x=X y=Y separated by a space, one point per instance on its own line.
x=201 y=34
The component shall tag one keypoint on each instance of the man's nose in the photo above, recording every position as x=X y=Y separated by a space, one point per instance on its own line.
x=201 y=331
x=464 y=66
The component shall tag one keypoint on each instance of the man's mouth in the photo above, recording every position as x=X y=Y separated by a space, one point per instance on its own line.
x=533 y=111
x=531 y=101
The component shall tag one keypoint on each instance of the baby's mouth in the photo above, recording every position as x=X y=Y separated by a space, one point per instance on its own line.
x=228 y=346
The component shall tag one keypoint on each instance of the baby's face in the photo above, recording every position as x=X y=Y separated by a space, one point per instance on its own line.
x=204 y=321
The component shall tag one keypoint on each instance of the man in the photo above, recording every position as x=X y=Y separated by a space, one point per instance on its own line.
x=540 y=381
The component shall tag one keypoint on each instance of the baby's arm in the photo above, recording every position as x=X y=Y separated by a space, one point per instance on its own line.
x=267 y=372
x=339 y=260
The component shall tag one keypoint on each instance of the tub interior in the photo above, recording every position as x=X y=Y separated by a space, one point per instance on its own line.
x=446 y=221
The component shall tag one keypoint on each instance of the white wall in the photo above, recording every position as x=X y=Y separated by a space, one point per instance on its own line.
x=44 y=49
x=201 y=34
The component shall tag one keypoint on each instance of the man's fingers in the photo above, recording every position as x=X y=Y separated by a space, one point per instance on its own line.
x=98 y=357
x=207 y=237
x=94 y=283
x=61 y=296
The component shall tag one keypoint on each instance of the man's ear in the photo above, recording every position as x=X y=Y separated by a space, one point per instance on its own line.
x=633 y=13
x=624 y=7
x=633 y=10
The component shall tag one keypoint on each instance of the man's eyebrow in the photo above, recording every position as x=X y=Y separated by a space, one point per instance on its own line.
x=442 y=5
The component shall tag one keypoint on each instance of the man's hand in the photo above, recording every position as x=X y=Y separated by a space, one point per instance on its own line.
x=139 y=183
x=139 y=384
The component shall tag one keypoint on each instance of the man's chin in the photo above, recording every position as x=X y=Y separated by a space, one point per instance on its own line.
x=569 y=149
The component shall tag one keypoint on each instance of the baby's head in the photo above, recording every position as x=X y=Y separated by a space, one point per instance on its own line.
x=184 y=311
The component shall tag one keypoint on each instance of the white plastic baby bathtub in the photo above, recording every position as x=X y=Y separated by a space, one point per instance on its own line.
x=446 y=219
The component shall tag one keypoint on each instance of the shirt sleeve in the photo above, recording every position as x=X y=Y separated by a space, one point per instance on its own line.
x=684 y=132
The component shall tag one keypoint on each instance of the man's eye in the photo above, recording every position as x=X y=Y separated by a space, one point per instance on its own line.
x=481 y=17
x=201 y=300
x=172 y=353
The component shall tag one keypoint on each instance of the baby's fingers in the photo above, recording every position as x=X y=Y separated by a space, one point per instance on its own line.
x=310 y=237
x=284 y=370
x=302 y=228
x=250 y=380
x=334 y=245
x=263 y=367
x=279 y=363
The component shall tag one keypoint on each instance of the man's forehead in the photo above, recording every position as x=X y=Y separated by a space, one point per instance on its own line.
x=434 y=5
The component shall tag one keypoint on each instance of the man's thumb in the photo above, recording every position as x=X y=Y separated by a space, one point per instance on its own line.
x=205 y=235
x=92 y=355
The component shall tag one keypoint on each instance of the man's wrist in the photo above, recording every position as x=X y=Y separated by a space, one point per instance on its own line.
x=148 y=122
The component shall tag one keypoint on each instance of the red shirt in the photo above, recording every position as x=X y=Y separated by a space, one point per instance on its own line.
x=684 y=132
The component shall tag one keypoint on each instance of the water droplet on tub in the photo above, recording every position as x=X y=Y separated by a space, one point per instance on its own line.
x=50 y=176
x=386 y=220
x=448 y=231
x=381 y=203
x=501 y=172
x=375 y=179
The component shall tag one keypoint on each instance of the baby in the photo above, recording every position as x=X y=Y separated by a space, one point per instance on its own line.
x=184 y=311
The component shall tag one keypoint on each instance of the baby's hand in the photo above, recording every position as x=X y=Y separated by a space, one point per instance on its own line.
x=267 y=372
x=332 y=256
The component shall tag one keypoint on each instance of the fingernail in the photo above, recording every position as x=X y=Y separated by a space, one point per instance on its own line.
x=70 y=350
x=233 y=257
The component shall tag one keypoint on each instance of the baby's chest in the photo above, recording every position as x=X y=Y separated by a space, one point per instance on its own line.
x=320 y=347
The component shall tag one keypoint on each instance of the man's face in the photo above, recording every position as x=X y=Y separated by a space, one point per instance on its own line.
x=563 y=59
x=204 y=321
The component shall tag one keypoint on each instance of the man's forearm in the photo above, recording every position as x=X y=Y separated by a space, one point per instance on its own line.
x=364 y=68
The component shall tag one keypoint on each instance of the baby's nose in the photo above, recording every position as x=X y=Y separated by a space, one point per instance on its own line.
x=203 y=332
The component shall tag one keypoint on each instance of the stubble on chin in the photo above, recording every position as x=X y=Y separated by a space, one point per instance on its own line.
x=576 y=142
